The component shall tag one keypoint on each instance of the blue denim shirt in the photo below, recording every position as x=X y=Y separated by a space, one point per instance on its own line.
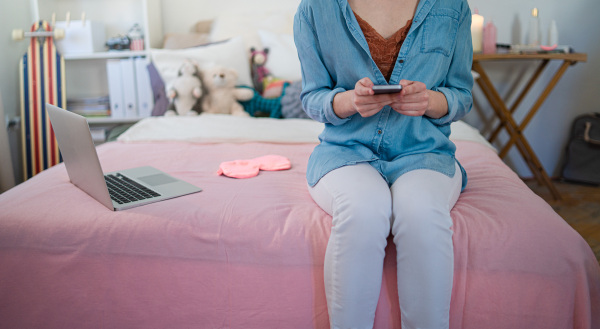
x=334 y=55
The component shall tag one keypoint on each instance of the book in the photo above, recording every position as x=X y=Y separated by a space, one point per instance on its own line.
x=129 y=88
x=115 y=88
x=145 y=98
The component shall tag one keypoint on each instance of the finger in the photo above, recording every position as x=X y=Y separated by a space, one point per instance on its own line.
x=364 y=87
x=412 y=87
x=411 y=113
x=411 y=109
x=413 y=98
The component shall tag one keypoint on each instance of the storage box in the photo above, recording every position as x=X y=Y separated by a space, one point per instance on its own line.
x=81 y=37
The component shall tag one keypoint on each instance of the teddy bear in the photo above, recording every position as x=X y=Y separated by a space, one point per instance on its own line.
x=222 y=96
x=185 y=91
x=259 y=71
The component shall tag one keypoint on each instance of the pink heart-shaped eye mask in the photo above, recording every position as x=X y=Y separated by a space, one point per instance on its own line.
x=250 y=168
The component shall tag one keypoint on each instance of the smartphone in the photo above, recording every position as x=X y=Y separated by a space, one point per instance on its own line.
x=387 y=89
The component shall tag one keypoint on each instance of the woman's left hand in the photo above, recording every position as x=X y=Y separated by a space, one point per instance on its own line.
x=413 y=100
x=416 y=100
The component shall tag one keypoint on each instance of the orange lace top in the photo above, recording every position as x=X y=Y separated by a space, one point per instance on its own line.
x=384 y=51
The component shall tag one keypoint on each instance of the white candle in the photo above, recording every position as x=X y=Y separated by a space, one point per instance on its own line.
x=534 y=28
x=552 y=34
x=477 y=32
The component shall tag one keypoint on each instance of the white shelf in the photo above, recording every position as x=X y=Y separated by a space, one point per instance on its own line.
x=110 y=120
x=106 y=55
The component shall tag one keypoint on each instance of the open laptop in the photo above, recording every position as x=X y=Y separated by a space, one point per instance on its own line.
x=118 y=190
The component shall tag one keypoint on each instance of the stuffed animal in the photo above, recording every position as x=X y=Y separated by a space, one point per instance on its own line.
x=260 y=106
x=258 y=60
x=222 y=96
x=185 y=91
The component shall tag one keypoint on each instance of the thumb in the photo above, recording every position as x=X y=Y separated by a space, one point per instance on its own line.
x=364 y=86
x=366 y=82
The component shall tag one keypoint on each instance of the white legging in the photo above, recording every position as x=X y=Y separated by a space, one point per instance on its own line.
x=363 y=206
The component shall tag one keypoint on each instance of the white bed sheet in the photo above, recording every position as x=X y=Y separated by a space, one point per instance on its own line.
x=220 y=128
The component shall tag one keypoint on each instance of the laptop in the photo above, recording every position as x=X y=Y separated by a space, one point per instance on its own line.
x=117 y=190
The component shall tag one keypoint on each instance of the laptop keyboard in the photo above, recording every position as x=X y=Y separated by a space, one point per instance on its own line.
x=123 y=189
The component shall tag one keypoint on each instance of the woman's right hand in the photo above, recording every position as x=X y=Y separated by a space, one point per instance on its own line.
x=360 y=100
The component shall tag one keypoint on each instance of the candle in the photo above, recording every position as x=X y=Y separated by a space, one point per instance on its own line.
x=534 y=28
x=477 y=31
x=552 y=34
x=489 y=38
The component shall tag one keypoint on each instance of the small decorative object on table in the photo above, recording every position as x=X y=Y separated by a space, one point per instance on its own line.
x=477 y=31
x=489 y=38
x=534 y=29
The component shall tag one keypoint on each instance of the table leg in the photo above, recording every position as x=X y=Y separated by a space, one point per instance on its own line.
x=522 y=95
x=487 y=88
x=538 y=103
x=513 y=130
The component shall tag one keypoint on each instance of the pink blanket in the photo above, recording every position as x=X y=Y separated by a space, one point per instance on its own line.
x=248 y=253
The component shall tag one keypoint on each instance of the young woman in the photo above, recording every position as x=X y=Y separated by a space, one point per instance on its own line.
x=385 y=163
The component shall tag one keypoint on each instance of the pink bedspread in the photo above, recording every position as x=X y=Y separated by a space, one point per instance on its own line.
x=248 y=253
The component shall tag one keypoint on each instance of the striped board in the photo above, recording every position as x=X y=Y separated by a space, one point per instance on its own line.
x=42 y=71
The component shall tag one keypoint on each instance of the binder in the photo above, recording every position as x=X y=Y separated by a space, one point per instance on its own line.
x=145 y=98
x=129 y=88
x=115 y=88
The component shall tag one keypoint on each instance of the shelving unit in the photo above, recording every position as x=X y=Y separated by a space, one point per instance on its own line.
x=86 y=74
x=106 y=55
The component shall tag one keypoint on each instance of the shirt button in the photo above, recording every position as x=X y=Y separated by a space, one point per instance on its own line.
x=379 y=131
x=401 y=61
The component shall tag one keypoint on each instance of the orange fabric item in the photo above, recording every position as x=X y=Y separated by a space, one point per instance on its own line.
x=384 y=51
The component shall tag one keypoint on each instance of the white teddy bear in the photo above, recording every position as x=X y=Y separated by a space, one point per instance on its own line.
x=222 y=96
x=185 y=91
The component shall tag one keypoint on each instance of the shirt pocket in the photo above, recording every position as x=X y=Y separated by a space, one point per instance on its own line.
x=439 y=31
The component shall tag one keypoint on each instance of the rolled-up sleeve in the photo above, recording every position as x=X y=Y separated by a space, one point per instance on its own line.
x=459 y=80
x=317 y=86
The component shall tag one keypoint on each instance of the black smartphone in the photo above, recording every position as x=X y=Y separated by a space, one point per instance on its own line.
x=387 y=89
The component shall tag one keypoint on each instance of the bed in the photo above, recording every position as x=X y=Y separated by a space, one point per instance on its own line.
x=248 y=253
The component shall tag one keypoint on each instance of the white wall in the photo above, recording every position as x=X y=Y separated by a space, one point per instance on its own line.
x=576 y=93
x=176 y=20
x=13 y=14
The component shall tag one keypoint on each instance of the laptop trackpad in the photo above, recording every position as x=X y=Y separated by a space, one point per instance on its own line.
x=157 y=179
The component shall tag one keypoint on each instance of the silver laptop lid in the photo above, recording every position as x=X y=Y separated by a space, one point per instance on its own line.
x=79 y=153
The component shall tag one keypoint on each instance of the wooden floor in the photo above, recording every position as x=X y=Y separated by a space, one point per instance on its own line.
x=580 y=208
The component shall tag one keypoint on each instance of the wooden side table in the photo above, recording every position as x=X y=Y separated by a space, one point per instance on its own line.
x=505 y=114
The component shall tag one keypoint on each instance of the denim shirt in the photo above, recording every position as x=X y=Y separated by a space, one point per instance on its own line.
x=334 y=55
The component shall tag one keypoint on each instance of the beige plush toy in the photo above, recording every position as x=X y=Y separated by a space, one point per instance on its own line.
x=221 y=94
x=185 y=91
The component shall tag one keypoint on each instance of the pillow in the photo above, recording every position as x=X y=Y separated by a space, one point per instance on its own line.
x=246 y=25
x=185 y=40
x=291 y=105
x=203 y=26
x=231 y=53
x=283 y=62
x=161 y=102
